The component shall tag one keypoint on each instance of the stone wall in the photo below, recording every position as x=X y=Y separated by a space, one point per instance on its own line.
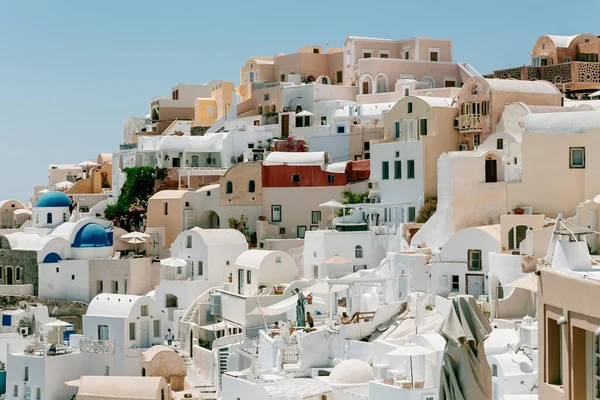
x=66 y=310
x=24 y=259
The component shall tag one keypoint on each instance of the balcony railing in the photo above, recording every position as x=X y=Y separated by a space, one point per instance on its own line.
x=513 y=173
x=128 y=146
x=89 y=345
x=469 y=122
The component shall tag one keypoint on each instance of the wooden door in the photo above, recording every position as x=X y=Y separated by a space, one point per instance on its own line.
x=491 y=173
x=285 y=125
x=365 y=87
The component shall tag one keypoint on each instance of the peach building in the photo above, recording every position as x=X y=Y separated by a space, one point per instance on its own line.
x=481 y=103
x=208 y=110
x=570 y=62
x=376 y=64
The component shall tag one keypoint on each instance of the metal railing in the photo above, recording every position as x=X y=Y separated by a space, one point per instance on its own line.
x=513 y=173
x=89 y=345
x=128 y=146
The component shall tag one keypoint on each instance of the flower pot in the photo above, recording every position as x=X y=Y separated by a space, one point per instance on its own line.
x=519 y=211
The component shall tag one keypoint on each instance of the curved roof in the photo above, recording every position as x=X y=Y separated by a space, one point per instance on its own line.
x=553 y=109
x=112 y=305
x=219 y=237
x=18 y=204
x=575 y=122
x=303 y=158
x=53 y=199
x=181 y=143
x=338 y=167
x=438 y=101
x=30 y=241
x=254 y=258
x=92 y=235
x=514 y=85
x=121 y=387
x=351 y=371
x=149 y=354
x=492 y=230
x=166 y=358
x=562 y=41
x=169 y=194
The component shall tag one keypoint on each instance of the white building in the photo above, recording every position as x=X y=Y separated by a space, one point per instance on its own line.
x=254 y=270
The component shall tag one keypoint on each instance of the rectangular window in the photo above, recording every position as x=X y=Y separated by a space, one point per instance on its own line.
x=72 y=277
x=38 y=394
x=474 y=259
x=341 y=129
x=249 y=277
x=200 y=268
x=449 y=83
x=495 y=370
x=301 y=231
x=433 y=56
x=156 y=328
x=411 y=214
x=397 y=169
x=367 y=146
x=423 y=126
x=476 y=140
x=455 y=283
x=385 y=170
x=296 y=178
x=567 y=59
x=188 y=241
x=406 y=55
x=410 y=166
x=499 y=144
x=166 y=208
x=179 y=270
x=339 y=77
x=102 y=332
x=397 y=130
x=187 y=203
x=282 y=78
x=144 y=310
x=18 y=274
x=330 y=178
x=323 y=120
x=132 y=331
x=16 y=390
x=316 y=217
x=577 y=157
x=276 y=213
x=409 y=107
x=266 y=97
x=314 y=227
x=366 y=53
x=100 y=287
x=384 y=54
x=26 y=374
x=278 y=260
x=115 y=286
x=406 y=92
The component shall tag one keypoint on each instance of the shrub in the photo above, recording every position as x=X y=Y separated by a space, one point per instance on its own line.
x=427 y=210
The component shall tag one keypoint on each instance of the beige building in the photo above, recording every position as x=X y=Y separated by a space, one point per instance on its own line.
x=570 y=62
x=243 y=185
x=162 y=361
x=481 y=103
x=123 y=388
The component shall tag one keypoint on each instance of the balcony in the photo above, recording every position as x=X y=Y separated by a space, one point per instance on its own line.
x=470 y=123
x=128 y=146
x=89 y=345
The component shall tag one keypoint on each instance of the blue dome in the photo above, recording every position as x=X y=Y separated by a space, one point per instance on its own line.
x=93 y=235
x=54 y=199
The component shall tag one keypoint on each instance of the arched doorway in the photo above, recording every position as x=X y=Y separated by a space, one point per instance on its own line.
x=143 y=371
x=209 y=220
x=516 y=235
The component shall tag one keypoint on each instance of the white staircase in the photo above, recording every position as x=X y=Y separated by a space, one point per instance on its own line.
x=223 y=355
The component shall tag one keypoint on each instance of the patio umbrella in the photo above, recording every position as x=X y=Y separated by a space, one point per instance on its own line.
x=173 y=262
x=305 y=113
x=466 y=373
x=333 y=204
x=328 y=289
x=63 y=185
x=411 y=350
x=135 y=235
x=43 y=191
x=88 y=163
x=58 y=324
x=135 y=242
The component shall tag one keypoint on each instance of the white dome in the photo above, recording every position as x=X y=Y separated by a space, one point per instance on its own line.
x=351 y=372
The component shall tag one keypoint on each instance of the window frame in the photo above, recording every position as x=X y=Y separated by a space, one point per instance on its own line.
x=385 y=170
x=397 y=169
x=188 y=242
x=571 y=150
x=423 y=126
x=156 y=328
x=313 y=219
x=454 y=289
x=296 y=180
x=132 y=331
x=500 y=144
x=273 y=206
x=470 y=259
x=359 y=251
x=397 y=129
x=330 y=178
x=251 y=186
x=409 y=107
x=303 y=229
x=410 y=169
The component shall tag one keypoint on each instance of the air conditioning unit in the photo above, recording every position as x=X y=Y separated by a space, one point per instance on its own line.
x=24 y=331
x=380 y=371
x=215 y=304
x=529 y=336
x=373 y=185
x=462 y=147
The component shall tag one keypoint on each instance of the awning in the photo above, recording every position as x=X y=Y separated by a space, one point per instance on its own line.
x=305 y=114
x=278 y=308
x=74 y=383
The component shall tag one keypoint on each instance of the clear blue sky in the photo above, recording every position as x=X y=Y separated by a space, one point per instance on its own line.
x=72 y=71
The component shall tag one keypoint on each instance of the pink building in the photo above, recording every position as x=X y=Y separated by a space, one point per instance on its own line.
x=376 y=64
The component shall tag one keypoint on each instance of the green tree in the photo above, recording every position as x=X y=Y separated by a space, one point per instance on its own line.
x=353 y=198
x=427 y=210
x=138 y=188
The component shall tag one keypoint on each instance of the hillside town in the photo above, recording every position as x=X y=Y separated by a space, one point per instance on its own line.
x=371 y=221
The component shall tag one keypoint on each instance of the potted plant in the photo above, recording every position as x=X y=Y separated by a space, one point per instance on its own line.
x=270 y=144
x=519 y=210
x=262 y=218
x=260 y=146
x=230 y=277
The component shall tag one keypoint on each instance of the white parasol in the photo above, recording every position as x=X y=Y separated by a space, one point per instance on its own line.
x=58 y=324
x=333 y=204
x=135 y=235
x=88 y=163
x=63 y=185
x=135 y=241
x=411 y=350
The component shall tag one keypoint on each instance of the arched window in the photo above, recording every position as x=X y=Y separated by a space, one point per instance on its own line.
x=474 y=90
x=251 y=186
x=516 y=235
x=358 y=252
x=229 y=187
x=324 y=80
x=49 y=218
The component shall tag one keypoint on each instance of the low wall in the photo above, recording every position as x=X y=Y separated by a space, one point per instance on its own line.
x=203 y=361
x=21 y=290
